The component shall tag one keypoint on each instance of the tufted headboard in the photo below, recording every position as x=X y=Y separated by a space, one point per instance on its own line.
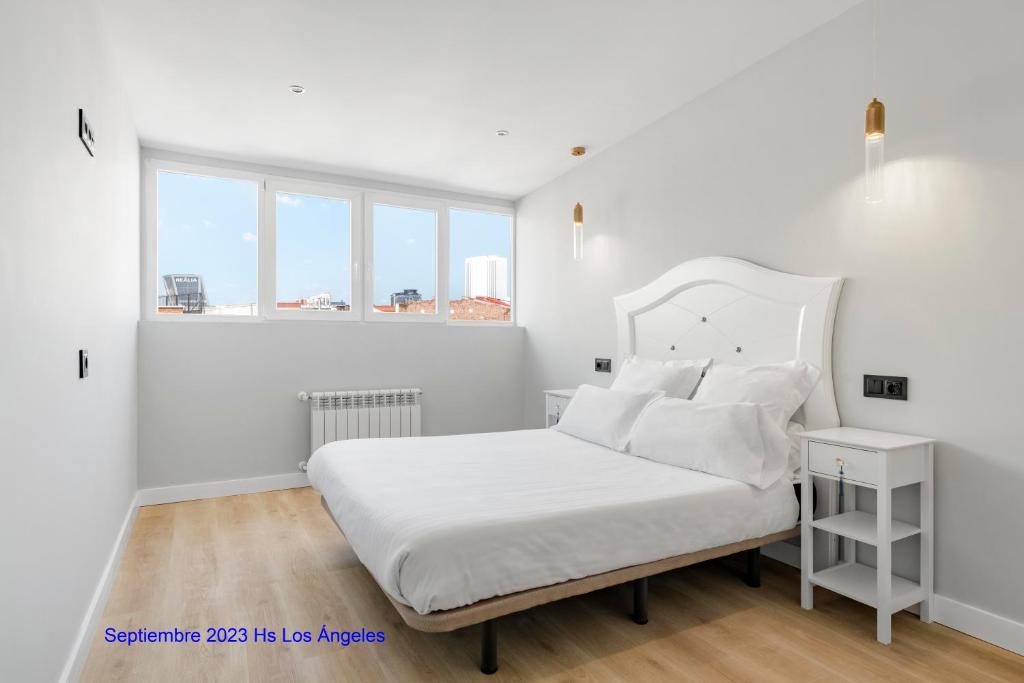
x=736 y=312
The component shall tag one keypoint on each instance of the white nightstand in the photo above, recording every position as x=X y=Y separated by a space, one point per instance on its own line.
x=555 y=401
x=883 y=462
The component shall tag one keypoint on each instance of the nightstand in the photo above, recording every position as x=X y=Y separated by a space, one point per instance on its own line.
x=555 y=401
x=862 y=458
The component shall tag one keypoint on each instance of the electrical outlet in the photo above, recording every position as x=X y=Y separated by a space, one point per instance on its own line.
x=602 y=365
x=83 y=363
x=885 y=386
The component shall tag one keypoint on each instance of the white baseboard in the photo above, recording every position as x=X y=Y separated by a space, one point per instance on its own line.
x=974 y=621
x=83 y=639
x=786 y=553
x=216 y=489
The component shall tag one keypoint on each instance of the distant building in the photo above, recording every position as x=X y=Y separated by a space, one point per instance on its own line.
x=487 y=276
x=184 y=291
x=405 y=297
x=317 y=302
x=478 y=308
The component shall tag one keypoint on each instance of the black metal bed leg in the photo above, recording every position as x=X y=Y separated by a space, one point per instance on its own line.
x=640 y=600
x=489 y=647
x=752 y=577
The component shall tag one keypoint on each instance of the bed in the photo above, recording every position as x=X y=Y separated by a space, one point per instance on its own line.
x=461 y=530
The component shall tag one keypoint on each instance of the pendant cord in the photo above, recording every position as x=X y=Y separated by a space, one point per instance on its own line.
x=874 y=48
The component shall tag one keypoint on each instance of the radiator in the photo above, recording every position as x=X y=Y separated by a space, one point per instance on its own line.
x=363 y=414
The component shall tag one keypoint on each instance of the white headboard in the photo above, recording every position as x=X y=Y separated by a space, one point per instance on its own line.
x=736 y=312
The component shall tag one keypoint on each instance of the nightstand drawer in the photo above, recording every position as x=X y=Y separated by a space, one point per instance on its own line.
x=858 y=465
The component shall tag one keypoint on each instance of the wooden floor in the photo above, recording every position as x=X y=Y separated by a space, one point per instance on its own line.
x=276 y=560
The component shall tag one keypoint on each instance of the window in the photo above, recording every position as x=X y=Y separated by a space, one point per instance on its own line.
x=224 y=243
x=314 y=247
x=479 y=265
x=206 y=257
x=404 y=258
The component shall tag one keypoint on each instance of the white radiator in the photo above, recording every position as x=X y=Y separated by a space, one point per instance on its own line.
x=363 y=414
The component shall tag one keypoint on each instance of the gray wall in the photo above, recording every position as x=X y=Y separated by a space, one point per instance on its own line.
x=217 y=399
x=768 y=167
x=69 y=274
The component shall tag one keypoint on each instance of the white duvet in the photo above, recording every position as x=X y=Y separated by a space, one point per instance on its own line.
x=443 y=522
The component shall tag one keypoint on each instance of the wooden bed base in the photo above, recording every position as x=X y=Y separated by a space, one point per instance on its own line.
x=487 y=611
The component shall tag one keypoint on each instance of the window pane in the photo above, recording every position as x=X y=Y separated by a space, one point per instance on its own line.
x=206 y=245
x=314 y=253
x=404 y=260
x=480 y=266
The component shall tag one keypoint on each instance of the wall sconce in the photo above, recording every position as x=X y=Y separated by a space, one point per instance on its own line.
x=577 y=217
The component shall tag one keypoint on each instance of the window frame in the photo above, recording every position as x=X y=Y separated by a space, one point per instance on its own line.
x=478 y=207
x=151 y=241
x=361 y=201
x=406 y=201
x=268 y=285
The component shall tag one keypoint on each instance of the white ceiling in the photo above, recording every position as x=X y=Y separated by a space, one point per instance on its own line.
x=413 y=91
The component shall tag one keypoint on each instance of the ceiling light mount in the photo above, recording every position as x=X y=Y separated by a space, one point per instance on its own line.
x=578 y=151
x=297 y=89
x=501 y=133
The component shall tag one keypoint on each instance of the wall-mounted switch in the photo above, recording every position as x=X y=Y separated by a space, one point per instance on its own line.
x=602 y=365
x=83 y=363
x=885 y=386
x=85 y=133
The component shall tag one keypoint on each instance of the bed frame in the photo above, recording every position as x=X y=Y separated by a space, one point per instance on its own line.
x=733 y=311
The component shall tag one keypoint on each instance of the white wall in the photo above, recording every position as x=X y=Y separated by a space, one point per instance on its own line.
x=768 y=167
x=217 y=399
x=69 y=254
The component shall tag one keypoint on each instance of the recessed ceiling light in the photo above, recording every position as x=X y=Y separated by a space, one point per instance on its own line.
x=297 y=89
x=501 y=132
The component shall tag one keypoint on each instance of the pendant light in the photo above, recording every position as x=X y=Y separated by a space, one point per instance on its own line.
x=874 y=127
x=577 y=217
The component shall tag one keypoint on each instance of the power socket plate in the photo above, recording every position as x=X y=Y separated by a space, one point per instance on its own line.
x=885 y=386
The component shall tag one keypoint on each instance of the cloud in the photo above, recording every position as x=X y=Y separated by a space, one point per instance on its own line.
x=209 y=224
x=289 y=199
x=409 y=242
x=248 y=237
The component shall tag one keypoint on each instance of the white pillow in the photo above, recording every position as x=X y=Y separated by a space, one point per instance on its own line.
x=734 y=440
x=793 y=431
x=780 y=388
x=604 y=416
x=677 y=378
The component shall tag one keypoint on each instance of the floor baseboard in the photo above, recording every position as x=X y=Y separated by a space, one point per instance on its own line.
x=973 y=621
x=83 y=639
x=981 y=624
x=786 y=553
x=216 y=489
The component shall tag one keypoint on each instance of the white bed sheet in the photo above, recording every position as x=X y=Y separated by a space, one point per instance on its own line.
x=443 y=522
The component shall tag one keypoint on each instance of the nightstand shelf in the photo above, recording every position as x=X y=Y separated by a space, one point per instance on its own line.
x=863 y=527
x=860 y=582
x=880 y=461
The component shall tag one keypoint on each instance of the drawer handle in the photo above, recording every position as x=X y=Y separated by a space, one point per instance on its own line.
x=840 y=462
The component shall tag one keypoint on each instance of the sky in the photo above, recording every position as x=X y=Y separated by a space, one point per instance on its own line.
x=208 y=227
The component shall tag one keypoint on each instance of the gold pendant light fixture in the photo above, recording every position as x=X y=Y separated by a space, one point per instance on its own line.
x=577 y=217
x=874 y=126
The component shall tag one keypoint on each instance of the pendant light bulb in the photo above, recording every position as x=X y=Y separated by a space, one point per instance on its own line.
x=577 y=232
x=874 y=151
